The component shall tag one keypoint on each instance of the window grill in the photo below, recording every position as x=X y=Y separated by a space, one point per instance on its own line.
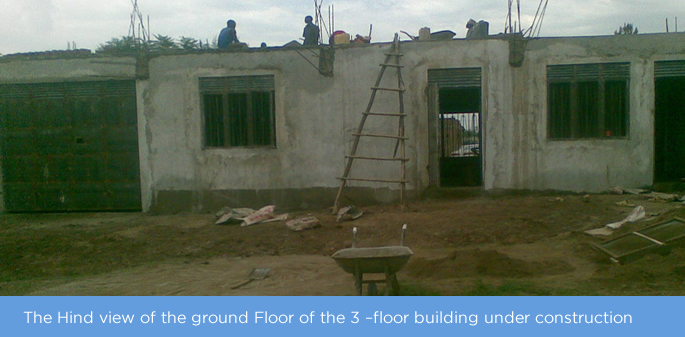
x=588 y=101
x=238 y=111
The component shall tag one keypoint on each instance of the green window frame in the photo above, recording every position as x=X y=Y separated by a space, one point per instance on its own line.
x=588 y=101
x=238 y=111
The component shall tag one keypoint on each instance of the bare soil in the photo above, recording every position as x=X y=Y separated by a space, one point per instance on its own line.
x=494 y=244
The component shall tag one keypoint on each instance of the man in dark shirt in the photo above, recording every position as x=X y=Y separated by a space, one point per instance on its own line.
x=228 y=35
x=311 y=32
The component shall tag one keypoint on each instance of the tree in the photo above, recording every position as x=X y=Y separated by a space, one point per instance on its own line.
x=626 y=29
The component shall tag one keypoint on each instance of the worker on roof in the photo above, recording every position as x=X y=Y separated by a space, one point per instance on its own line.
x=477 y=30
x=228 y=35
x=311 y=32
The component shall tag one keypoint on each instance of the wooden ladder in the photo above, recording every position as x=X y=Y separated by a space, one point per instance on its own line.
x=394 y=56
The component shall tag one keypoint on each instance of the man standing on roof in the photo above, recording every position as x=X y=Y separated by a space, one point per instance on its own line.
x=311 y=32
x=228 y=35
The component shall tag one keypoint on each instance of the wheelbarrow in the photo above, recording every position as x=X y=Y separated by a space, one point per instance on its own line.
x=386 y=260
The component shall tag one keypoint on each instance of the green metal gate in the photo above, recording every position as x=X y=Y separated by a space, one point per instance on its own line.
x=70 y=146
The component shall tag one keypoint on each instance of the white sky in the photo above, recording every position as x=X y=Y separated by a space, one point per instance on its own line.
x=40 y=25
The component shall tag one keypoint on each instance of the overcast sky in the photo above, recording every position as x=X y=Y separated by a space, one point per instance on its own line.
x=40 y=25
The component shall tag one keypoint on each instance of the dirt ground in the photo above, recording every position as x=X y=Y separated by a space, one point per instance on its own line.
x=486 y=244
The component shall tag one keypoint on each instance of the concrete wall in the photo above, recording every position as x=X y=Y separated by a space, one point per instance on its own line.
x=316 y=117
x=60 y=70
x=535 y=162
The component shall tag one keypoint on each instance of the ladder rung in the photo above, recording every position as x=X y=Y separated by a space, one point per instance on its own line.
x=391 y=65
x=379 y=136
x=387 y=89
x=394 y=54
x=375 y=180
x=385 y=114
x=378 y=158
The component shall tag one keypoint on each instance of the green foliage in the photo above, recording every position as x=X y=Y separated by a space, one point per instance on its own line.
x=626 y=29
x=163 y=42
x=189 y=43
x=125 y=44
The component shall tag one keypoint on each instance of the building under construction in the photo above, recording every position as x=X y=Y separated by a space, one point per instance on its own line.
x=246 y=127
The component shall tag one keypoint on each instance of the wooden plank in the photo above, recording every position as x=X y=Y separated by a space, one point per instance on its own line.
x=387 y=89
x=648 y=238
x=388 y=114
x=378 y=158
x=374 y=180
x=379 y=136
x=606 y=251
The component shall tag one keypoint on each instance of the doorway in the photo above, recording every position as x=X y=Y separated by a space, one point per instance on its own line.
x=460 y=137
x=455 y=127
x=669 y=123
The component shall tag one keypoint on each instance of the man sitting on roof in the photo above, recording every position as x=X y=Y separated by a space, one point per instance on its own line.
x=228 y=35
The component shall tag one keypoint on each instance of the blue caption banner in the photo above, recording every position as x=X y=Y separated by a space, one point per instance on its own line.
x=340 y=316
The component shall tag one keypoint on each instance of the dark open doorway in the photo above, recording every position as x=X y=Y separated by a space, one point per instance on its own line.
x=460 y=137
x=669 y=133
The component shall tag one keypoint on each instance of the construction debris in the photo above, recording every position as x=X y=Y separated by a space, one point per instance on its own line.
x=227 y=215
x=635 y=191
x=263 y=214
x=350 y=212
x=620 y=190
x=637 y=214
x=301 y=224
x=661 y=197
x=656 y=238
x=652 y=196
x=625 y=203
x=255 y=274
x=442 y=35
x=248 y=216
x=616 y=190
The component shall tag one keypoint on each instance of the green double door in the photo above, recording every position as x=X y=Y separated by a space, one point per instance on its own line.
x=70 y=146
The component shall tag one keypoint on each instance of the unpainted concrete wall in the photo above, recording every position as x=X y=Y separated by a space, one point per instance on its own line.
x=535 y=162
x=60 y=70
x=315 y=119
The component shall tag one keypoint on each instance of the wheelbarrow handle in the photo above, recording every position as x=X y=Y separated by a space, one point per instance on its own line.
x=404 y=232
x=242 y=283
x=354 y=237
